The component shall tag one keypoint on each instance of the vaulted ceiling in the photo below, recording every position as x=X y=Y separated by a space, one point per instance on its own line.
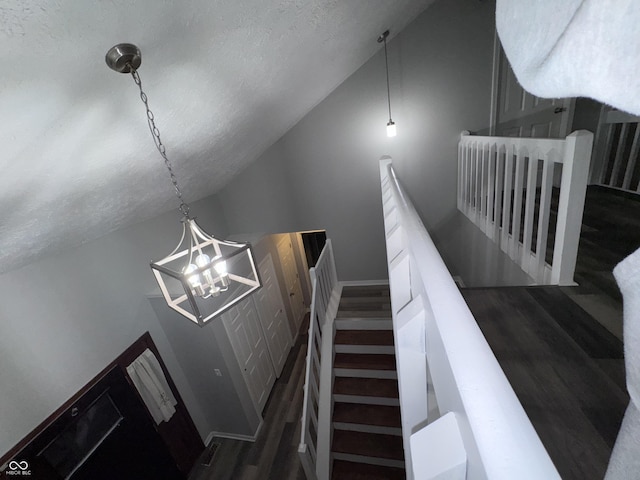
x=224 y=78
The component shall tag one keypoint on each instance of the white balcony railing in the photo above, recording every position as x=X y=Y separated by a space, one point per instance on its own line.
x=460 y=416
x=505 y=186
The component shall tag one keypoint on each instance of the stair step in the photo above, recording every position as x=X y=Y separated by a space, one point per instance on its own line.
x=364 y=324
x=366 y=291
x=364 y=361
x=364 y=337
x=370 y=387
x=365 y=303
x=380 y=415
x=370 y=445
x=343 y=470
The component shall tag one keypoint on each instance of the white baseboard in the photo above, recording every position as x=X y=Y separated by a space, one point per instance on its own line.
x=235 y=436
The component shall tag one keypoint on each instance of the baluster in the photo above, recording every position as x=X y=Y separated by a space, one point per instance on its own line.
x=517 y=204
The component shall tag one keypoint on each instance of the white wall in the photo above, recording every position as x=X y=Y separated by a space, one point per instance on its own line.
x=326 y=166
x=63 y=319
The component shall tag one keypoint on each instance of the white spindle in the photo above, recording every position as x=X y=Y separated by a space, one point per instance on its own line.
x=529 y=212
x=544 y=212
x=506 y=199
x=491 y=181
x=517 y=205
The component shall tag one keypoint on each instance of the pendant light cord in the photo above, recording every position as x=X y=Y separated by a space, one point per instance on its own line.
x=155 y=133
x=386 y=63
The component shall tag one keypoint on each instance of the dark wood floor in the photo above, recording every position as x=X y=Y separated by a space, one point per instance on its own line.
x=610 y=232
x=566 y=369
x=274 y=453
x=561 y=348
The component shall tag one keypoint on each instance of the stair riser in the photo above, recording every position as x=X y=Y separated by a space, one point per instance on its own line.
x=385 y=462
x=357 y=427
x=378 y=349
x=362 y=399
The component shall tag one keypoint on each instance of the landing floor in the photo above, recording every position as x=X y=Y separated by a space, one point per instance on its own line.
x=565 y=367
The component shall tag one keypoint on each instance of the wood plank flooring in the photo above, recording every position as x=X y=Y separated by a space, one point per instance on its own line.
x=559 y=361
x=274 y=454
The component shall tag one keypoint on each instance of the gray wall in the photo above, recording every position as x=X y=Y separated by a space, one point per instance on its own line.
x=326 y=167
x=63 y=319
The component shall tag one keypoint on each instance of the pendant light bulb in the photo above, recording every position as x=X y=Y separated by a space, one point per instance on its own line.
x=391 y=129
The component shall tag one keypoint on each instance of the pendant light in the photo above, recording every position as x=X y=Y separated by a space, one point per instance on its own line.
x=391 y=126
x=203 y=276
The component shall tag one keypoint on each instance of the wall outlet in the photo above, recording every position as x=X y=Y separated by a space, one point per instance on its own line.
x=217 y=372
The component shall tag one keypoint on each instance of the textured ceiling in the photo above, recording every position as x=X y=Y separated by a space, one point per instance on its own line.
x=225 y=79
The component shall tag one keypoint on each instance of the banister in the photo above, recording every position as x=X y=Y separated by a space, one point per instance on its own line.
x=498 y=438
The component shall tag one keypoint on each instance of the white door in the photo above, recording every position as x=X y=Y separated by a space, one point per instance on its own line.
x=245 y=334
x=520 y=114
x=292 y=279
x=272 y=315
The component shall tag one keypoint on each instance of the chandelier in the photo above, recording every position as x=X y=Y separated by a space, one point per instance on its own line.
x=203 y=276
x=391 y=126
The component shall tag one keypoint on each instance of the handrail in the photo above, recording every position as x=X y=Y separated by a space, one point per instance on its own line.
x=478 y=429
x=314 y=441
x=498 y=181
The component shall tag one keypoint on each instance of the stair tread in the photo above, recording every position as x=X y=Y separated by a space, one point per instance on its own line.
x=364 y=337
x=375 y=445
x=365 y=361
x=343 y=470
x=363 y=414
x=366 y=291
x=368 y=387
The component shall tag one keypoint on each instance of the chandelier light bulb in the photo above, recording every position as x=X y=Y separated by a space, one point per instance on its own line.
x=194 y=279
x=221 y=268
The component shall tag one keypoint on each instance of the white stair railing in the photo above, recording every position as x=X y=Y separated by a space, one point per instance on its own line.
x=498 y=183
x=313 y=449
x=460 y=416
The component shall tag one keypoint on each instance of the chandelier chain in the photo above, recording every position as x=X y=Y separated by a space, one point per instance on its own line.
x=155 y=133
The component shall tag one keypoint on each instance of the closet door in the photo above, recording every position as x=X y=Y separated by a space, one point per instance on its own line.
x=249 y=345
x=272 y=315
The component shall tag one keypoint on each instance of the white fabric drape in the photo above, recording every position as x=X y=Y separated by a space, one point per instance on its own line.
x=625 y=458
x=147 y=376
x=574 y=48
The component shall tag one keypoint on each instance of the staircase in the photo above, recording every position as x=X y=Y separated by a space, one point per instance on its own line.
x=367 y=434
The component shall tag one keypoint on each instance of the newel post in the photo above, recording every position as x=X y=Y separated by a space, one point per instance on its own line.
x=573 y=187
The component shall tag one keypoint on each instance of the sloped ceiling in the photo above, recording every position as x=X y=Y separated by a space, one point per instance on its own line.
x=224 y=78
